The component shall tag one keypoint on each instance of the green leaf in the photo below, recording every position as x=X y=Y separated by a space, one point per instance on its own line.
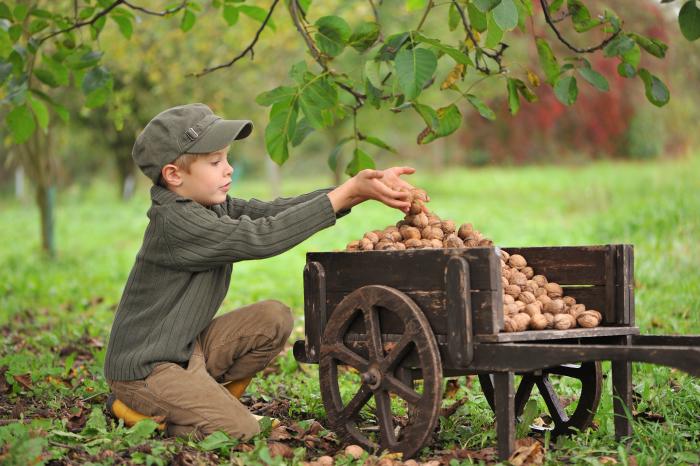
x=555 y=6
x=415 y=5
x=524 y=90
x=414 y=68
x=391 y=46
x=632 y=56
x=316 y=96
x=548 y=61
x=38 y=25
x=360 y=161
x=596 y=79
x=581 y=17
x=217 y=440
x=506 y=15
x=140 y=431
x=439 y=123
x=689 y=20
x=566 y=90
x=96 y=78
x=5 y=12
x=230 y=14
x=620 y=45
x=188 y=20
x=332 y=35
x=5 y=70
x=276 y=95
x=455 y=54
x=654 y=46
x=258 y=14
x=303 y=129
x=626 y=70
x=21 y=123
x=125 y=25
x=40 y=111
x=373 y=94
x=364 y=36
x=486 y=5
x=335 y=153
x=372 y=73
x=449 y=120
x=494 y=34
x=86 y=12
x=283 y=118
x=483 y=109
x=476 y=18
x=375 y=141
x=655 y=90
x=453 y=17
x=20 y=12
x=513 y=96
x=80 y=61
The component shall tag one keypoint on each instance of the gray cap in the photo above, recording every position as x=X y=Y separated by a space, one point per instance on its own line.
x=185 y=129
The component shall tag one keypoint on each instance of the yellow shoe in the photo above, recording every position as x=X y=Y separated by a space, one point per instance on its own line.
x=128 y=415
x=237 y=387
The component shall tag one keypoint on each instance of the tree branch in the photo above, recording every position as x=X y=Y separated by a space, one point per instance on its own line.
x=245 y=51
x=167 y=12
x=82 y=23
x=495 y=56
x=550 y=22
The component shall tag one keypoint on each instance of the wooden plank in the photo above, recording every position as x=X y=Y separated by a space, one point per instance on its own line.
x=459 y=311
x=417 y=270
x=541 y=335
x=610 y=313
x=622 y=394
x=433 y=305
x=504 y=401
x=566 y=265
x=592 y=296
x=624 y=284
x=314 y=308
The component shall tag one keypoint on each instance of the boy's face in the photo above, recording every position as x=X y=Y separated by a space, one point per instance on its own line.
x=209 y=178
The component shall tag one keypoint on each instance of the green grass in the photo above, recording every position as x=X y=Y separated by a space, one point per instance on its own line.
x=55 y=315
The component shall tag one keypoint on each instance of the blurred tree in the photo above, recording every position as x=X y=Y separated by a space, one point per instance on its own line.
x=46 y=47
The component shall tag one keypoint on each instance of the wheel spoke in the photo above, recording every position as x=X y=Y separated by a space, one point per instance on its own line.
x=352 y=409
x=385 y=419
x=348 y=357
x=396 y=354
x=374 y=335
x=404 y=391
x=556 y=410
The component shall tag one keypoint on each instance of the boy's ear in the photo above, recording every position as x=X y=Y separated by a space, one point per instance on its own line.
x=171 y=175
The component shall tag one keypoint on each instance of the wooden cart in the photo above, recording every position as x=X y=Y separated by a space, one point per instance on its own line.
x=403 y=320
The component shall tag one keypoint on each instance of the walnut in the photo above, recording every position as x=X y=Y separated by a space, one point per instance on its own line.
x=393 y=235
x=504 y=255
x=520 y=305
x=409 y=233
x=513 y=290
x=555 y=306
x=540 y=292
x=400 y=246
x=413 y=243
x=416 y=207
x=505 y=282
x=366 y=244
x=353 y=245
x=485 y=242
x=432 y=233
x=522 y=321
x=550 y=319
x=420 y=220
x=384 y=246
x=532 y=310
x=518 y=278
x=544 y=299
x=588 y=319
x=436 y=243
x=554 y=290
x=510 y=309
x=517 y=261
x=372 y=236
x=569 y=301
x=448 y=227
x=471 y=243
x=527 y=297
x=564 y=321
x=506 y=273
x=465 y=230
x=541 y=280
x=427 y=243
x=453 y=241
x=509 y=325
x=538 y=322
x=508 y=299
x=529 y=272
x=576 y=310
x=530 y=286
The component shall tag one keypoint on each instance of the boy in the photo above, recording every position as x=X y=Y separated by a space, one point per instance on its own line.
x=167 y=358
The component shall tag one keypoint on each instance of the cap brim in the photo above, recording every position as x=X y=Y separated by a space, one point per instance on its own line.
x=221 y=134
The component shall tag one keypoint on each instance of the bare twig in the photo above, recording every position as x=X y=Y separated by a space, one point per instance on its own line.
x=167 y=12
x=550 y=22
x=496 y=56
x=248 y=49
x=82 y=23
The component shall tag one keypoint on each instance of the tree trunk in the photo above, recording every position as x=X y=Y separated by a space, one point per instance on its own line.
x=274 y=177
x=46 y=200
x=19 y=183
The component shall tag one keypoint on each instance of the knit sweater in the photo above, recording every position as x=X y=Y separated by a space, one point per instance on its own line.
x=183 y=270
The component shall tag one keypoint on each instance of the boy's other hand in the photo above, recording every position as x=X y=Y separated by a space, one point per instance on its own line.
x=384 y=186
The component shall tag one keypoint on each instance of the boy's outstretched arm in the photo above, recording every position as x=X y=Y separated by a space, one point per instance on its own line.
x=382 y=186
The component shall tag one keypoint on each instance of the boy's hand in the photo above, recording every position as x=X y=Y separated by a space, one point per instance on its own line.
x=370 y=184
x=391 y=179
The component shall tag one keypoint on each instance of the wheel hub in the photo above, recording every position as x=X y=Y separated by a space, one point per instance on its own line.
x=373 y=378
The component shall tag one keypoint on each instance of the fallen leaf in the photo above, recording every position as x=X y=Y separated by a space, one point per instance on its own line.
x=607 y=460
x=280 y=449
x=24 y=380
x=450 y=410
x=528 y=451
x=451 y=388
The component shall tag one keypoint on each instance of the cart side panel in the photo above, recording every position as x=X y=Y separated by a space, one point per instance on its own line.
x=567 y=265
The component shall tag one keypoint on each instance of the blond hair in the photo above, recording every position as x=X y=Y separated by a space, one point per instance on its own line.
x=183 y=162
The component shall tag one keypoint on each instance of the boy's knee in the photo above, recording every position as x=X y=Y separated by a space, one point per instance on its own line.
x=279 y=316
x=240 y=426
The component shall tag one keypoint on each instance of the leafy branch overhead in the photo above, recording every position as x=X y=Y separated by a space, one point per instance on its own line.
x=46 y=50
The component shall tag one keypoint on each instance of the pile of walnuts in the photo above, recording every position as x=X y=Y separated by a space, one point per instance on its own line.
x=529 y=300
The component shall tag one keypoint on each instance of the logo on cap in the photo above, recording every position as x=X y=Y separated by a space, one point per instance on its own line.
x=191 y=134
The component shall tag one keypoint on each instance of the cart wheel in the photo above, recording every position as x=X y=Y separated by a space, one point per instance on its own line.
x=382 y=361
x=590 y=375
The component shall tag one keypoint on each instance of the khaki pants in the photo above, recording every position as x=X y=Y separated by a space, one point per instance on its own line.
x=192 y=400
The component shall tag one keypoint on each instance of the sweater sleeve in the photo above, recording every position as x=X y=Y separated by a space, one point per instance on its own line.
x=198 y=239
x=255 y=208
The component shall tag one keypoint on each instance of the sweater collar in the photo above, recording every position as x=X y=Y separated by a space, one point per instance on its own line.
x=161 y=195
